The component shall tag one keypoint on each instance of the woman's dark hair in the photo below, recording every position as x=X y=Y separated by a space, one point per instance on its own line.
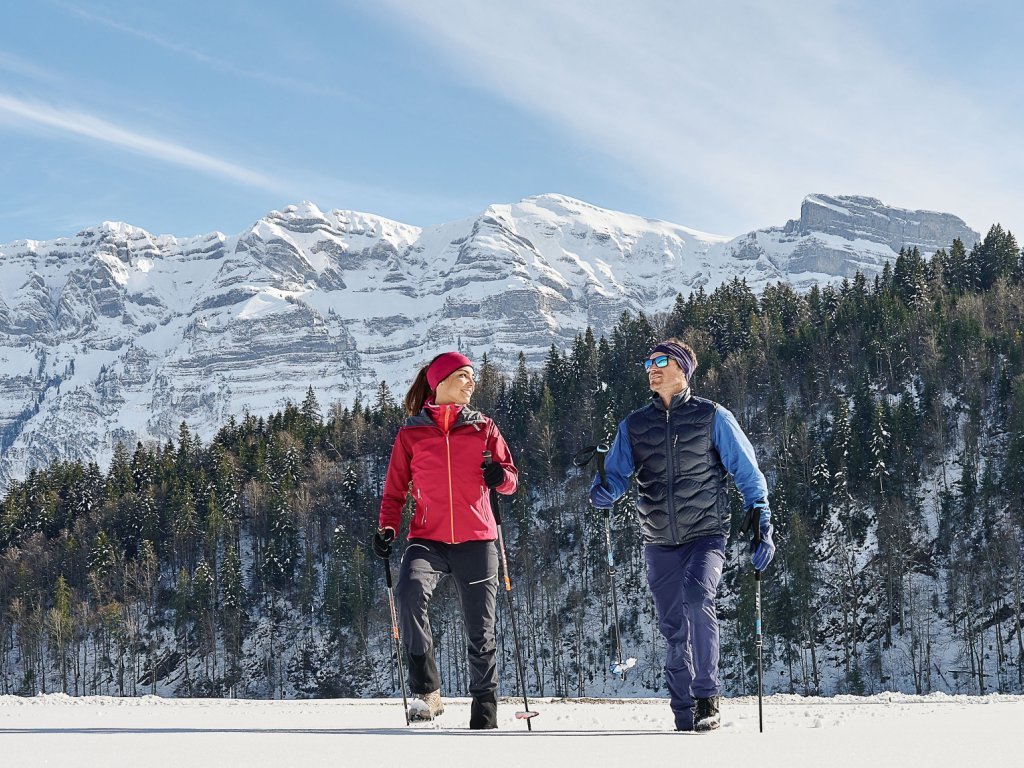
x=419 y=391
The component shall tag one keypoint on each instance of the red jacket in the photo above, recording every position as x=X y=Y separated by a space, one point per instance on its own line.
x=436 y=458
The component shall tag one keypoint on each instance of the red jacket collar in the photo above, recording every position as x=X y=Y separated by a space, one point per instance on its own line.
x=445 y=415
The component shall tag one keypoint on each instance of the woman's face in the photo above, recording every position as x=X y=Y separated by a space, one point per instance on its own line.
x=457 y=388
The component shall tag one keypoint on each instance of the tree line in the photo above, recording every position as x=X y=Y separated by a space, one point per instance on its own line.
x=887 y=413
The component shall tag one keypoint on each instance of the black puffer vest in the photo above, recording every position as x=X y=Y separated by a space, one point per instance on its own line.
x=680 y=476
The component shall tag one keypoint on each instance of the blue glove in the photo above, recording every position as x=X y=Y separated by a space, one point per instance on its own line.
x=602 y=497
x=765 y=551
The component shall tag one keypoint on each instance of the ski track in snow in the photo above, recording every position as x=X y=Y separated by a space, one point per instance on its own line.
x=887 y=729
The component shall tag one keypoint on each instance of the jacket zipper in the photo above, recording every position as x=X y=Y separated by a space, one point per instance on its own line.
x=670 y=498
x=451 y=499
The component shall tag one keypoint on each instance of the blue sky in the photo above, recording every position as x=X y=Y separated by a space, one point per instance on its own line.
x=189 y=117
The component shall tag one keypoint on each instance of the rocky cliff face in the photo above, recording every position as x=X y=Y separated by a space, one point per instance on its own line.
x=865 y=218
x=119 y=335
x=839 y=236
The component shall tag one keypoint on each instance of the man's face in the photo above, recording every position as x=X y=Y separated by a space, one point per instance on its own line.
x=668 y=379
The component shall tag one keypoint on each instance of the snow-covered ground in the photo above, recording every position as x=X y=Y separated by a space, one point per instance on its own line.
x=882 y=730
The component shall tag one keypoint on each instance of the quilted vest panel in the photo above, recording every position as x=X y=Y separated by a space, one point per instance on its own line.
x=681 y=480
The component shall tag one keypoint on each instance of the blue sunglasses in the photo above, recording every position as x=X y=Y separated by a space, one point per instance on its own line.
x=661 y=361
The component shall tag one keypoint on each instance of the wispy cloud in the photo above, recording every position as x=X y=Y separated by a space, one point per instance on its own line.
x=269 y=78
x=24 y=114
x=734 y=111
x=16 y=65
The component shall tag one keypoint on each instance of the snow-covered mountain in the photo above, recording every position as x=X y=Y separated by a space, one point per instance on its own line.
x=119 y=335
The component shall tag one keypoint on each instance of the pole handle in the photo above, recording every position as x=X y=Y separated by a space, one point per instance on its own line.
x=495 y=503
x=601 y=451
x=757 y=538
x=751 y=520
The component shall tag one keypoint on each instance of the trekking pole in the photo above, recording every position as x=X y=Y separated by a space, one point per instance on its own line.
x=620 y=666
x=526 y=714
x=394 y=634
x=757 y=628
x=757 y=614
x=581 y=459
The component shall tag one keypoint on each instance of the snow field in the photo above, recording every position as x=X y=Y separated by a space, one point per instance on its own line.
x=841 y=732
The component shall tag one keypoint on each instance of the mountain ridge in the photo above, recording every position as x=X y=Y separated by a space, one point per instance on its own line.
x=115 y=334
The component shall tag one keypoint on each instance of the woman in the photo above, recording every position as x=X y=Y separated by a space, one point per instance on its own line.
x=438 y=458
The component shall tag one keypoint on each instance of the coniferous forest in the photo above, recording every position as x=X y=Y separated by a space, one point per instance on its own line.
x=887 y=414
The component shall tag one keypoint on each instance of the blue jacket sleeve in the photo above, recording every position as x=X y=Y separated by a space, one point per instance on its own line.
x=618 y=466
x=738 y=457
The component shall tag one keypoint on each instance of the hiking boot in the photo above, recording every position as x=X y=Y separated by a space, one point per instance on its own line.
x=427 y=706
x=707 y=716
x=483 y=712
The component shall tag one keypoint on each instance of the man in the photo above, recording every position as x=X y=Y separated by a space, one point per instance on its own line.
x=681 y=448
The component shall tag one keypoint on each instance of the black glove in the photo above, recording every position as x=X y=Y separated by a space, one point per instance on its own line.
x=381 y=542
x=494 y=474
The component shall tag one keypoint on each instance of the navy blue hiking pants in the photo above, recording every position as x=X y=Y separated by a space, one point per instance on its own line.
x=684 y=582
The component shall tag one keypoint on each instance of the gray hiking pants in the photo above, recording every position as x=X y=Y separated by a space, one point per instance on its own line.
x=474 y=567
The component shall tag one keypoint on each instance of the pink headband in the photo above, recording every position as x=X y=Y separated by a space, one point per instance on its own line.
x=444 y=366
